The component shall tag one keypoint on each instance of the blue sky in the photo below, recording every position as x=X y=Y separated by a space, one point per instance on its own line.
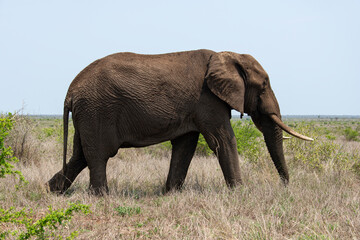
x=310 y=49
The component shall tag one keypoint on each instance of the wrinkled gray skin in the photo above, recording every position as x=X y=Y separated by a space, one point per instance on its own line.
x=131 y=100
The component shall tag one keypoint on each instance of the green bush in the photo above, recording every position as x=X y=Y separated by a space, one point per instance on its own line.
x=330 y=137
x=55 y=130
x=127 y=211
x=6 y=153
x=248 y=139
x=318 y=153
x=202 y=147
x=350 y=134
x=48 y=131
x=42 y=228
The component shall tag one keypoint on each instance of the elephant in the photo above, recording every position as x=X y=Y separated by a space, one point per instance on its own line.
x=129 y=100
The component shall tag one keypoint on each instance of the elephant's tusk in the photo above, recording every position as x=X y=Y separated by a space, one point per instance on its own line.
x=288 y=129
x=285 y=138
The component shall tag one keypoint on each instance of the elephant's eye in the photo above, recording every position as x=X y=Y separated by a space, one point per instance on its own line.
x=264 y=85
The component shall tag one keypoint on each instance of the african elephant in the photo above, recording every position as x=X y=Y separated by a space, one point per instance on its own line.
x=131 y=100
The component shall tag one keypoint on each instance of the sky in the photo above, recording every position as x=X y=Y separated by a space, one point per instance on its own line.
x=310 y=49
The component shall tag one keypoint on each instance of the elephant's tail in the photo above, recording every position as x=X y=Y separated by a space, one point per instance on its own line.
x=66 y=124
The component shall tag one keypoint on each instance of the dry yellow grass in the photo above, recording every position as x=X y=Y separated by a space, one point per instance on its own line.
x=316 y=204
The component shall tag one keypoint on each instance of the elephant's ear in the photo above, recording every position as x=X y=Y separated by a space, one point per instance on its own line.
x=226 y=79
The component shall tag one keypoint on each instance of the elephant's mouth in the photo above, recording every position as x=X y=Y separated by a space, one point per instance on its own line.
x=288 y=129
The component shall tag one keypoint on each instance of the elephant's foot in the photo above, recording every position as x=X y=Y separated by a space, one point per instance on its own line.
x=59 y=183
x=99 y=191
x=233 y=182
x=172 y=187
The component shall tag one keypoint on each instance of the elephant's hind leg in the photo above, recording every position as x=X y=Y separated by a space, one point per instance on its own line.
x=98 y=180
x=61 y=181
x=96 y=161
x=99 y=144
x=183 y=149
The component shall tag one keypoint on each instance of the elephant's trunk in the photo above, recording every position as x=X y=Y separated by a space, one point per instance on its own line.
x=274 y=141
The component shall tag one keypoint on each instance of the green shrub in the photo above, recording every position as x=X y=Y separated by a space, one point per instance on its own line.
x=202 y=147
x=54 y=130
x=330 y=136
x=42 y=228
x=314 y=154
x=6 y=153
x=318 y=153
x=48 y=131
x=127 y=211
x=248 y=139
x=350 y=134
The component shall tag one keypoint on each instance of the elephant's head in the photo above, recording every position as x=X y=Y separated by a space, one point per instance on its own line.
x=240 y=81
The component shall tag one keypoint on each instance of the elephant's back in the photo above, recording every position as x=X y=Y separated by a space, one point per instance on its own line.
x=135 y=79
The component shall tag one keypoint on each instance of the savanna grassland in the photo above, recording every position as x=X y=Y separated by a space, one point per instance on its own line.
x=322 y=200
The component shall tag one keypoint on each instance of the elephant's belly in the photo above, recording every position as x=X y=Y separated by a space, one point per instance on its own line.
x=150 y=135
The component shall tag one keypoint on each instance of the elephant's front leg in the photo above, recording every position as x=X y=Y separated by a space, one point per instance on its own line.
x=222 y=142
x=183 y=149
